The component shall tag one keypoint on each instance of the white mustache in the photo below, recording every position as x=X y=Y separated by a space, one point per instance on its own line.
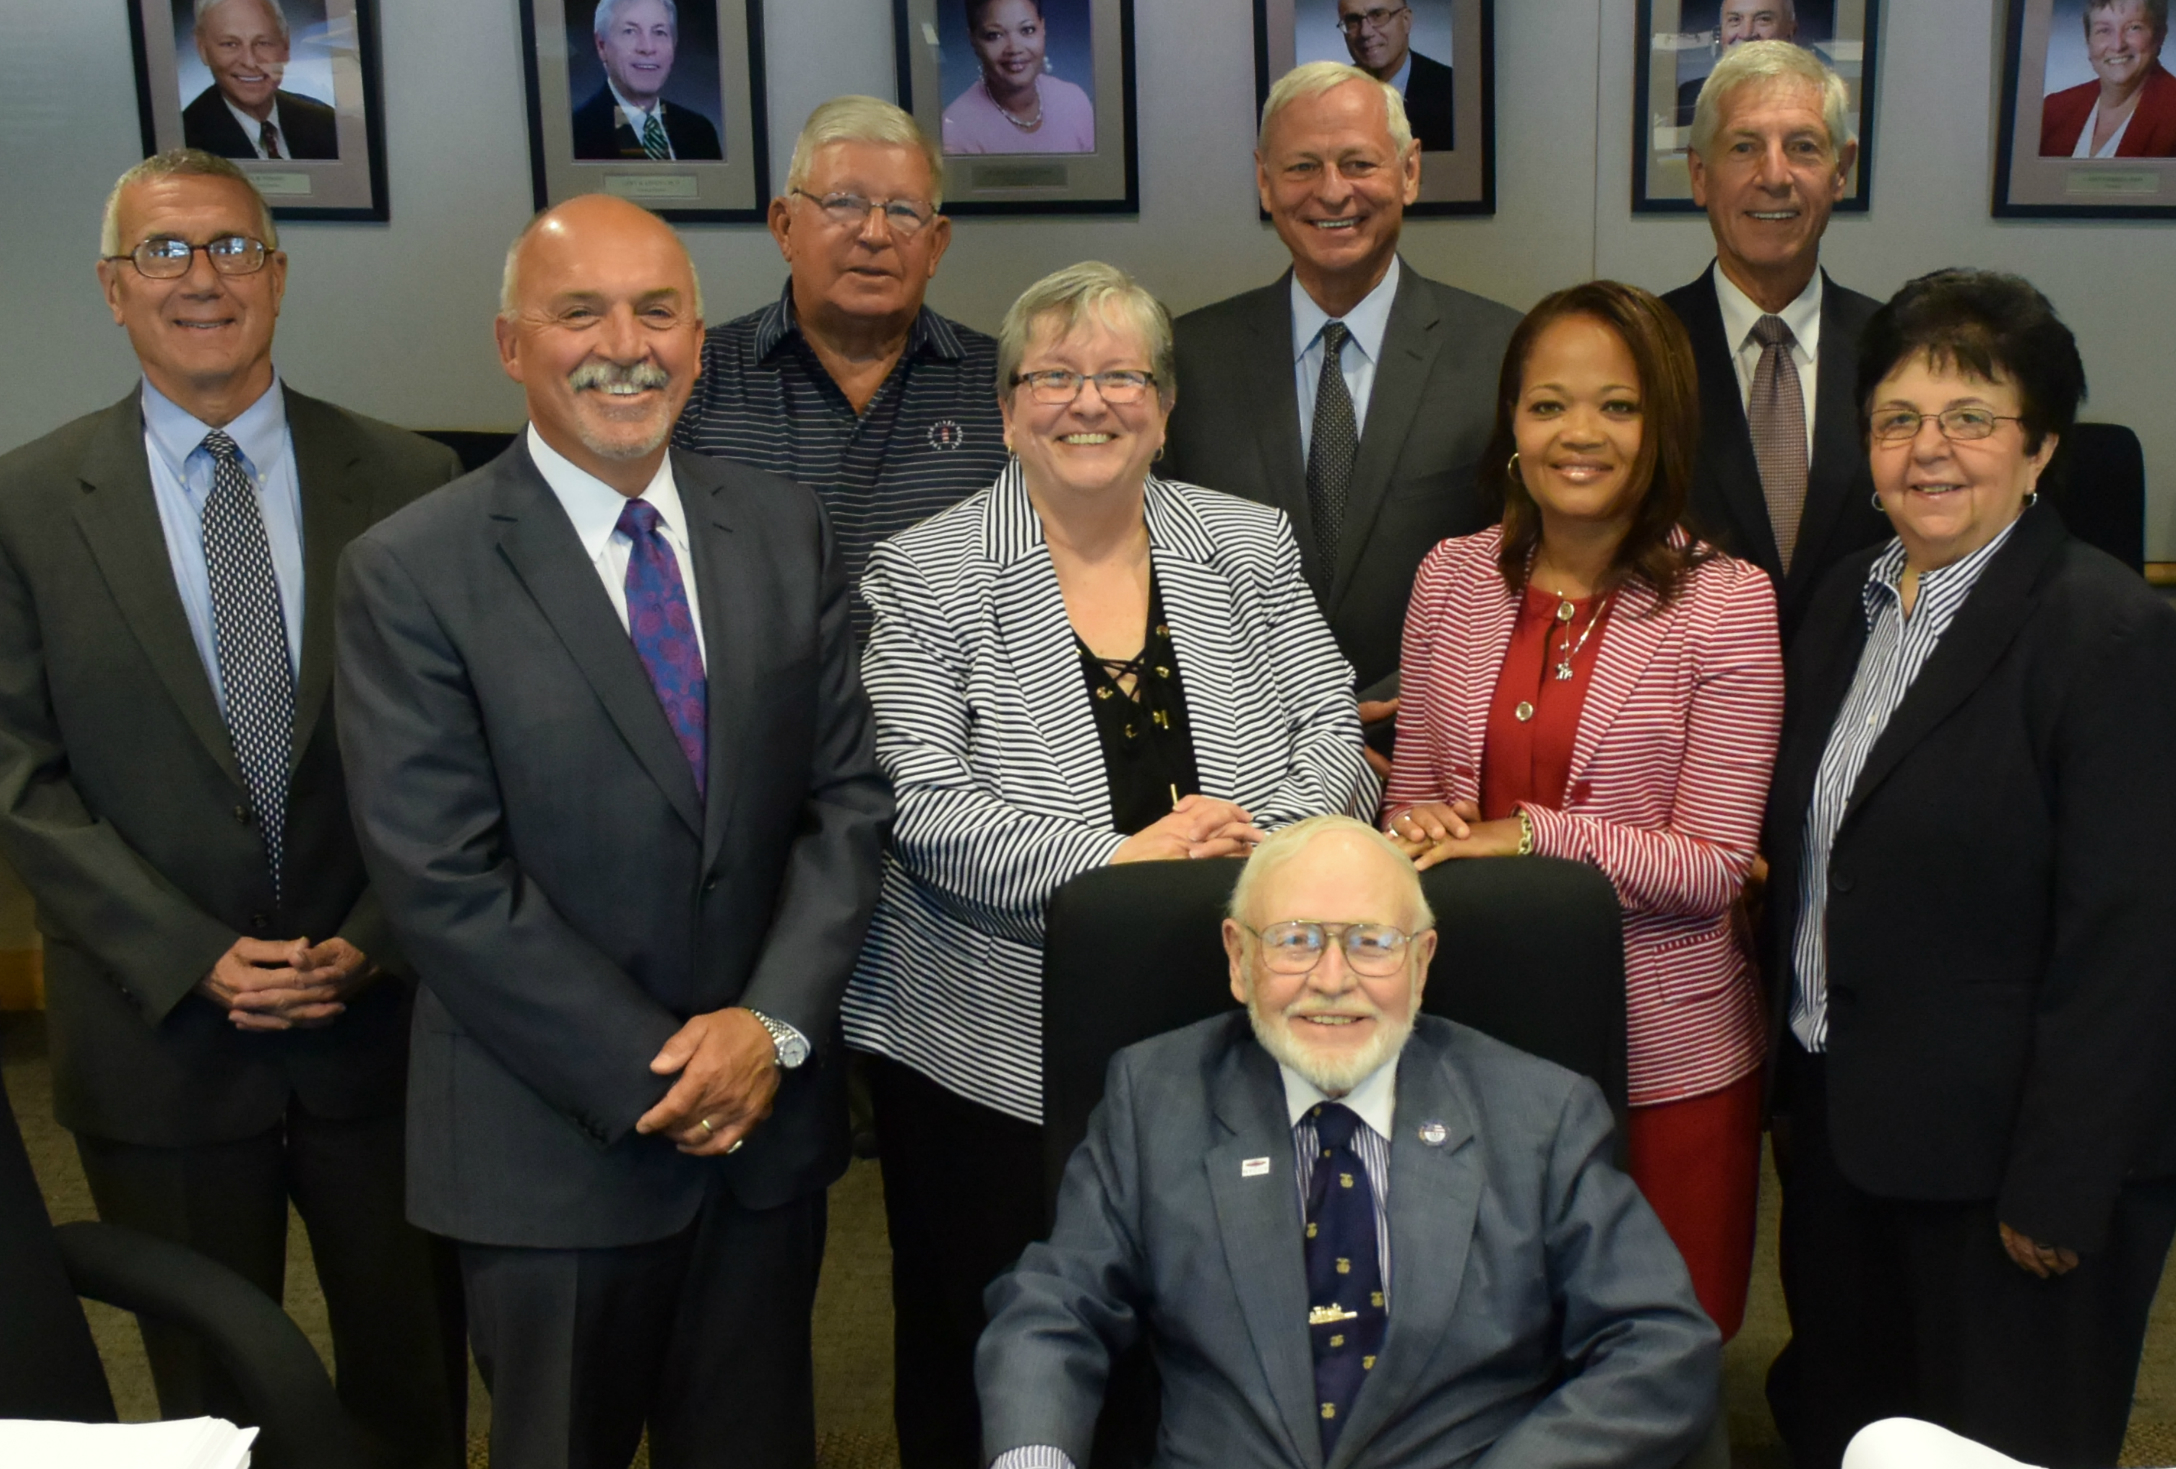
x=612 y=377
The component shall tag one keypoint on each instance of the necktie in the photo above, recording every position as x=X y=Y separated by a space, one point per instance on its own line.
x=271 y=136
x=664 y=632
x=250 y=631
x=653 y=138
x=1331 y=449
x=1346 y=1313
x=1777 y=416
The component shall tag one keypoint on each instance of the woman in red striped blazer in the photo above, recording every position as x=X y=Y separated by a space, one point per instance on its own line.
x=1587 y=681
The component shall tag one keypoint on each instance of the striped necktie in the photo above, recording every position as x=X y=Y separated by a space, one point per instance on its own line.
x=653 y=138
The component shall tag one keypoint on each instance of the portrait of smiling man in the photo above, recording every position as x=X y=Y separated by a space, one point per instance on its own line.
x=636 y=43
x=1379 y=38
x=245 y=112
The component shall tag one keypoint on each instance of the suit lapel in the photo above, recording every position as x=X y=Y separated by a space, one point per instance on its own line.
x=119 y=518
x=1266 y=369
x=335 y=510
x=539 y=543
x=1180 y=548
x=1635 y=632
x=1838 y=454
x=1410 y=344
x=727 y=592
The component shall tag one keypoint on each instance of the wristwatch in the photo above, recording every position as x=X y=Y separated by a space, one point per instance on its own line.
x=792 y=1046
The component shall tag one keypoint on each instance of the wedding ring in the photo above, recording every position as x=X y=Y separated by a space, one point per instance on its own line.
x=736 y=1145
x=705 y=1121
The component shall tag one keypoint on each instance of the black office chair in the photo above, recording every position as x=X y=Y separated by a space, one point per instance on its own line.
x=2097 y=480
x=49 y=1367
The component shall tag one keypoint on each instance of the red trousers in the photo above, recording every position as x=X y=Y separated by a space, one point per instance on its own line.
x=1698 y=1163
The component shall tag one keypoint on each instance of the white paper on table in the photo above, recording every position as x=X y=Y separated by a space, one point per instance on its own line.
x=183 y=1443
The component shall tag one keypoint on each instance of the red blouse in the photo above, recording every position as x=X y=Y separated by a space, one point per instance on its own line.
x=1530 y=759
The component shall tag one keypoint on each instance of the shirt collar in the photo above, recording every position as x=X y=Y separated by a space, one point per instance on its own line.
x=1941 y=592
x=1367 y=321
x=1405 y=72
x=637 y=114
x=254 y=126
x=1375 y=1099
x=1741 y=312
x=594 y=506
x=931 y=335
x=259 y=431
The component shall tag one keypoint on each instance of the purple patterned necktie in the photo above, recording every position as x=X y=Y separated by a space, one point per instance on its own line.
x=664 y=632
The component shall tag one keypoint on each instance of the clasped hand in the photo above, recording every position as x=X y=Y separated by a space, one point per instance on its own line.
x=2030 y=1255
x=728 y=1068
x=285 y=984
x=1197 y=827
x=1435 y=831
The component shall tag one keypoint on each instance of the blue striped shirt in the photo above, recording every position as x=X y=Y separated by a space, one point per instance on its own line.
x=1897 y=648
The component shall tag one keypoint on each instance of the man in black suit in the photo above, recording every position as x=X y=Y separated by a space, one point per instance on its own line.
x=228 y=1013
x=1368 y=444
x=628 y=117
x=1379 y=38
x=614 y=774
x=1782 y=478
x=245 y=113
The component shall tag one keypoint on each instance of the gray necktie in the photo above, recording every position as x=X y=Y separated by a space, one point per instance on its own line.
x=250 y=630
x=1777 y=416
x=1331 y=449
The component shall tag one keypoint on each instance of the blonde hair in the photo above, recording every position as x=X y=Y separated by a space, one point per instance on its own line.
x=854 y=119
x=180 y=163
x=1318 y=77
x=1761 y=61
x=1070 y=296
x=1282 y=845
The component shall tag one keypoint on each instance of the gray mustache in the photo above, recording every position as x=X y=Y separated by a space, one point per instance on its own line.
x=613 y=375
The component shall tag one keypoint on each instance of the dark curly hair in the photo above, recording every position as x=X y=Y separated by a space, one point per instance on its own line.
x=1987 y=324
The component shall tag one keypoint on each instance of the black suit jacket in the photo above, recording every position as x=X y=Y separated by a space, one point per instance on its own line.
x=598 y=132
x=308 y=128
x=2001 y=928
x=1429 y=104
x=1236 y=428
x=1728 y=508
x=566 y=898
x=122 y=808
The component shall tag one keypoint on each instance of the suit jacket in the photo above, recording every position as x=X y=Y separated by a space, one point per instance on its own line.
x=1669 y=773
x=1236 y=428
x=984 y=727
x=2001 y=940
x=124 y=812
x=1727 y=507
x=308 y=128
x=1429 y=105
x=599 y=133
x=1538 y=1313
x=566 y=898
x=2152 y=130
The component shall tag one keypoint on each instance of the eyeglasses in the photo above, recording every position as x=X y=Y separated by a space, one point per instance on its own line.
x=164 y=258
x=1055 y=386
x=1959 y=425
x=1374 y=19
x=851 y=211
x=1372 y=949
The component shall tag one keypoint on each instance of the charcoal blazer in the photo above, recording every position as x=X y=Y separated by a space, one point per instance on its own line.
x=308 y=128
x=567 y=899
x=2001 y=936
x=1538 y=1313
x=1728 y=509
x=122 y=808
x=1236 y=428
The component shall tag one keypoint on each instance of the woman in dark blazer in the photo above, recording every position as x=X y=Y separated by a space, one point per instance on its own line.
x=1971 y=921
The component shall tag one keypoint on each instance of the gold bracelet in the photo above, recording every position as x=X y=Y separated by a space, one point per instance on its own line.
x=1526 y=833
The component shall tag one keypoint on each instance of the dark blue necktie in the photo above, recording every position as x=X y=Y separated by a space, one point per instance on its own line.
x=664 y=632
x=1344 y=1272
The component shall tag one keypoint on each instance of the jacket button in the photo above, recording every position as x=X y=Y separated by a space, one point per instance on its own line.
x=260 y=920
x=241 y=814
x=1840 y=881
x=710 y=885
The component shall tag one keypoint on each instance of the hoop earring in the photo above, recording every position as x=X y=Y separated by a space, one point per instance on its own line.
x=1158 y=456
x=1511 y=469
x=1878 y=505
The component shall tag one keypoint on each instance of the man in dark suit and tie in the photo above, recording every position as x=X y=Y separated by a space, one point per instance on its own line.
x=614 y=775
x=245 y=113
x=628 y=117
x=228 y=1013
x=1354 y=394
x=1360 y=1238
x=1782 y=478
x=1379 y=39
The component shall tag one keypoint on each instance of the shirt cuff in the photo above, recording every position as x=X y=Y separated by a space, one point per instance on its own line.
x=1033 y=1456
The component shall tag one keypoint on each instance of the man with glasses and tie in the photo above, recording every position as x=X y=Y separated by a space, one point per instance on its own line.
x=628 y=117
x=228 y=1013
x=1379 y=37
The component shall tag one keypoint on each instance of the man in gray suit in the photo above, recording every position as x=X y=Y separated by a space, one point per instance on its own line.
x=228 y=1015
x=614 y=775
x=1354 y=1237
x=1354 y=394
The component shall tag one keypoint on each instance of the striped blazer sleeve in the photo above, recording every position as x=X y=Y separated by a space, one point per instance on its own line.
x=1422 y=742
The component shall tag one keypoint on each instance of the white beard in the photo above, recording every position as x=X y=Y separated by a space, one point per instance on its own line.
x=1333 y=1073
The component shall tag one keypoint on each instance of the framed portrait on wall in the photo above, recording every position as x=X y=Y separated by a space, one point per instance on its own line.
x=1441 y=54
x=288 y=89
x=1033 y=100
x=657 y=101
x=2088 y=126
x=1679 y=43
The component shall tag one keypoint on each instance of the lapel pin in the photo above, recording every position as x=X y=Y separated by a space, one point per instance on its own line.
x=1434 y=1133
x=1253 y=1167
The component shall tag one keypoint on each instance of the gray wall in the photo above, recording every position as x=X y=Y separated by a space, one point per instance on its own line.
x=394 y=319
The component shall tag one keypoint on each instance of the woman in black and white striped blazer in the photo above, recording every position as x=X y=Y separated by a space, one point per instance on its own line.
x=1080 y=665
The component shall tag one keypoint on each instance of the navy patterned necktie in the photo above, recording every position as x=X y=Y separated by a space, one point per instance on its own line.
x=663 y=631
x=1346 y=1314
x=250 y=630
x=1331 y=449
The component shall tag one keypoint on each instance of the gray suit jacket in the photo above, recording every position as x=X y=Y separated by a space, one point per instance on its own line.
x=1236 y=428
x=565 y=898
x=123 y=810
x=1538 y=1313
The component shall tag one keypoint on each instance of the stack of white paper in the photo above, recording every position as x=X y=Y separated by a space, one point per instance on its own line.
x=185 y=1443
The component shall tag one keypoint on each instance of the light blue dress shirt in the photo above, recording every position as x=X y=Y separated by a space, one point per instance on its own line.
x=181 y=481
x=1367 y=322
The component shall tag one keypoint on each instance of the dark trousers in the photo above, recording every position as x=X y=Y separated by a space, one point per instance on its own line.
x=702 y=1336
x=391 y=1291
x=963 y=1196
x=1900 y=1308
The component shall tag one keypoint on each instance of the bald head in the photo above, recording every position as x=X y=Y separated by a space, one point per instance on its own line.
x=558 y=220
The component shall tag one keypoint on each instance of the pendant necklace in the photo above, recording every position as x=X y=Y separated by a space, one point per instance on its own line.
x=1026 y=127
x=1567 y=650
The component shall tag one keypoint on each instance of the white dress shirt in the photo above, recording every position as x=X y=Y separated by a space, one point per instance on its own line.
x=1803 y=316
x=639 y=117
x=2085 y=148
x=1367 y=322
x=253 y=129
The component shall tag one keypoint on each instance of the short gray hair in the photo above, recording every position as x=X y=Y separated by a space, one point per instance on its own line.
x=1762 y=61
x=1282 y=845
x=510 y=275
x=1318 y=77
x=269 y=7
x=2156 y=11
x=180 y=163
x=608 y=11
x=856 y=119
x=1067 y=298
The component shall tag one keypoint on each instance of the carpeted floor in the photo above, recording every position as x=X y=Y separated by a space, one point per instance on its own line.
x=853 y=1310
